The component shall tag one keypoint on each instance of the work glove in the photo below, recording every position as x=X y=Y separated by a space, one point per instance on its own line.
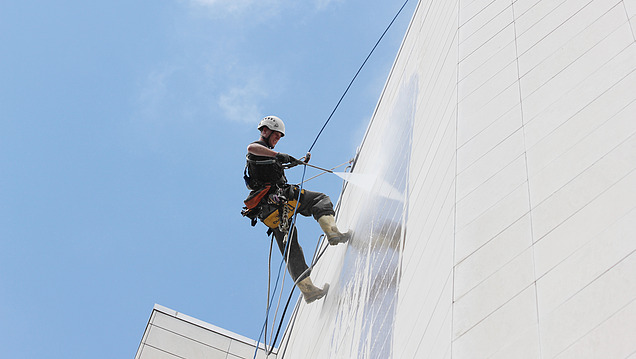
x=285 y=158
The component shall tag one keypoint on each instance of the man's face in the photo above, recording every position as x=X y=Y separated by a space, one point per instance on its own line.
x=273 y=138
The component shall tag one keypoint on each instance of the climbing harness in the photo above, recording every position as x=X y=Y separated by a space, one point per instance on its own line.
x=280 y=209
x=267 y=170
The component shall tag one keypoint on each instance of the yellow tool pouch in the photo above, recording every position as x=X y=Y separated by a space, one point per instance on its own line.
x=273 y=219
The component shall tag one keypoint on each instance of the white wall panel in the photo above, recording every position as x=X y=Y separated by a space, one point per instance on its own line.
x=529 y=13
x=523 y=6
x=524 y=345
x=489 y=138
x=513 y=322
x=592 y=42
x=490 y=164
x=487 y=52
x=611 y=339
x=588 y=263
x=492 y=256
x=492 y=223
x=472 y=81
x=478 y=118
x=476 y=34
x=491 y=294
x=586 y=310
x=490 y=192
x=561 y=24
x=630 y=8
x=545 y=111
x=167 y=323
x=585 y=224
x=600 y=111
x=472 y=8
x=180 y=346
x=602 y=171
x=171 y=335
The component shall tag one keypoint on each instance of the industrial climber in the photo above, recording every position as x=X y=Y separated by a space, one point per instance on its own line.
x=273 y=200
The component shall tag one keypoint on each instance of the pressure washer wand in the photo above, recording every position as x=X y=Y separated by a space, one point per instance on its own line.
x=316 y=167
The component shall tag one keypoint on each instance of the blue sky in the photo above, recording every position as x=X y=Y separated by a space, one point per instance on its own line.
x=123 y=128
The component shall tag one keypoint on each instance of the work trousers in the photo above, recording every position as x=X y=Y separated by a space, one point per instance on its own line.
x=311 y=203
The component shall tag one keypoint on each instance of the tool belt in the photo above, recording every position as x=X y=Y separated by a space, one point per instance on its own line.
x=253 y=205
x=272 y=206
x=255 y=197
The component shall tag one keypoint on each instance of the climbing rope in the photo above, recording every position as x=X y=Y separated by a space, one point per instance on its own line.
x=269 y=279
x=295 y=213
x=356 y=75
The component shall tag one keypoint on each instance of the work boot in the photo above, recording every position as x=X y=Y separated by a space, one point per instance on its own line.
x=328 y=225
x=310 y=291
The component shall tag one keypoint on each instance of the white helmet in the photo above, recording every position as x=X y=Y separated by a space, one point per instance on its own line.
x=273 y=123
